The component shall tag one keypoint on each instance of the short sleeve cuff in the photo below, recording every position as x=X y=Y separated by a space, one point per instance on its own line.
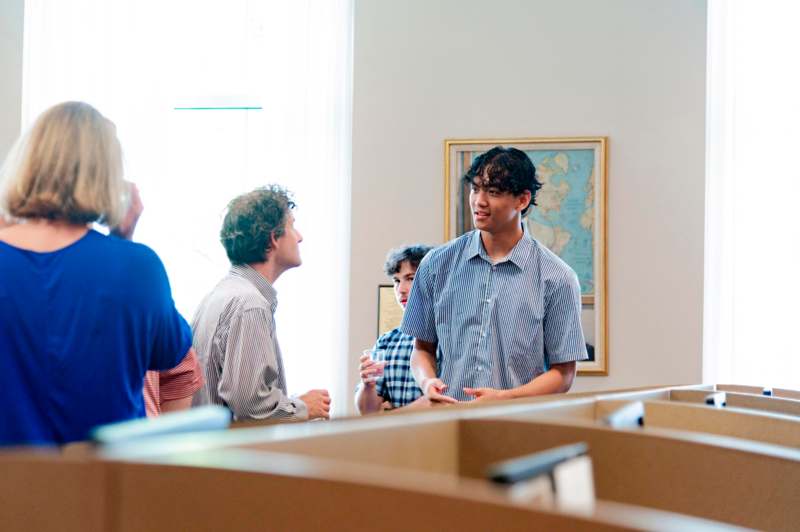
x=563 y=359
x=420 y=333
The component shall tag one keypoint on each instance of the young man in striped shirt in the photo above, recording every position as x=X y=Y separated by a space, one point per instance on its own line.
x=495 y=314
x=234 y=327
x=386 y=379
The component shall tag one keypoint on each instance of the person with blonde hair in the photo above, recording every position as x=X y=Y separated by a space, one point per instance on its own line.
x=83 y=315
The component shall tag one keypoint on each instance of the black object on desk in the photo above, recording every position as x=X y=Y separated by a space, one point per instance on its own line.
x=534 y=465
x=716 y=399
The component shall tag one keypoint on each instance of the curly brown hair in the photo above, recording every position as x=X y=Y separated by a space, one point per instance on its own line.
x=252 y=219
x=413 y=254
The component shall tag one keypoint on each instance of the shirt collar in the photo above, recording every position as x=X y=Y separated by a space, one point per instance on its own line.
x=245 y=271
x=475 y=247
x=518 y=256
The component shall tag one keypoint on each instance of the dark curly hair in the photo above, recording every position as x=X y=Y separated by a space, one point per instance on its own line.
x=251 y=220
x=413 y=254
x=506 y=169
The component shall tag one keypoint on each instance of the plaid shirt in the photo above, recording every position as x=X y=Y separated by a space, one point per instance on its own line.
x=397 y=385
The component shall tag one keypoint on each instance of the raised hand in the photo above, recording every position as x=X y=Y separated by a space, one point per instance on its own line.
x=369 y=369
x=127 y=226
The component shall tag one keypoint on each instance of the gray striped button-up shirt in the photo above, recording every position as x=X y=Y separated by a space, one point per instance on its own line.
x=234 y=336
x=497 y=325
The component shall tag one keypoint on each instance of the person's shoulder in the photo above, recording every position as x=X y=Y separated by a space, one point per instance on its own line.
x=547 y=258
x=230 y=302
x=448 y=251
x=127 y=270
x=122 y=259
x=387 y=337
x=237 y=295
x=125 y=249
x=457 y=244
x=552 y=268
x=394 y=339
x=392 y=336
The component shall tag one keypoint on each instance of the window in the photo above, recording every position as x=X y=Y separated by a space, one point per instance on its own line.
x=211 y=99
x=752 y=191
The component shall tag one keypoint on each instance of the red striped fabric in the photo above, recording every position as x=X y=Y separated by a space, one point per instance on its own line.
x=177 y=383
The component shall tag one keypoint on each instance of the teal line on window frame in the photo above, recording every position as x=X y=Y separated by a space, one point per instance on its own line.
x=217 y=108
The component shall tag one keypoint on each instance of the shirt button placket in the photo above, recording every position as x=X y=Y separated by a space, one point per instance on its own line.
x=485 y=310
x=483 y=352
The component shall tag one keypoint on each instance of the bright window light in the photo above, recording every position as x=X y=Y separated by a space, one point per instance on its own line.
x=752 y=194
x=211 y=99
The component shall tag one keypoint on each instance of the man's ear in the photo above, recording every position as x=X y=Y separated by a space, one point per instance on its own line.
x=273 y=242
x=524 y=199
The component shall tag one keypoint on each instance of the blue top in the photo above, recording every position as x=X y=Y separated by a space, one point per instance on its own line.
x=397 y=384
x=79 y=327
x=497 y=325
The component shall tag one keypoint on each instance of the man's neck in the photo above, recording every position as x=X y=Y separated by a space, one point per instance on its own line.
x=269 y=270
x=499 y=245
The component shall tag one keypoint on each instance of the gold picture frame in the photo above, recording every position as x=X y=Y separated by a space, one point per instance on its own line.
x=390 y=313
x=562 y=163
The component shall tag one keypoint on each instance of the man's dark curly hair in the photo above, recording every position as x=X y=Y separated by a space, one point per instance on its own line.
x=413 y=254
x=506 y=169
x=251 y=220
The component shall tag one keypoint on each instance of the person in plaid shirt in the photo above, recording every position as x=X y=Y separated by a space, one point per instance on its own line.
x=386 y=379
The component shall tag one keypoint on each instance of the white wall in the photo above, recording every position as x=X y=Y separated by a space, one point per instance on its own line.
x=632 y=70
x=11 y=23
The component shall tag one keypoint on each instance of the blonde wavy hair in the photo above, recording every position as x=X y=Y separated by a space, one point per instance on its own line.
x=67 y=167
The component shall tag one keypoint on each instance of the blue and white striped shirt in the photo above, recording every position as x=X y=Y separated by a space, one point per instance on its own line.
x=496 y=325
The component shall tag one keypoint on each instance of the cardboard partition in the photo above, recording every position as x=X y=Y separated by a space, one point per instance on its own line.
x=576 y=410
x=659 y=394
x=724 y=479
x=242 y=490
x=778 y=405
x=423 y=443
x=429 y=447
x=768 y=427
x=45 y=491
x=427 y=441
x=750 y=424
x=585 y=411
x=237 y=490
x=756 y=425
x=757 y=390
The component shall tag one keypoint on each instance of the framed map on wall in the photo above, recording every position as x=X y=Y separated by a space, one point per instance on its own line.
x=569 y=218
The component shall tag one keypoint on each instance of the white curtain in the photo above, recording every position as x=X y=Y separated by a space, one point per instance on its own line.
x=213 y=98
x=752 y=286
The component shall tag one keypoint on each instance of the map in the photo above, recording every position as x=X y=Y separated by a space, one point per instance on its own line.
x=563 y=219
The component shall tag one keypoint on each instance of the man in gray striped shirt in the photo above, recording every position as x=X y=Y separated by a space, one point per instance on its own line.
x=495 y=314
x=234 y=327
